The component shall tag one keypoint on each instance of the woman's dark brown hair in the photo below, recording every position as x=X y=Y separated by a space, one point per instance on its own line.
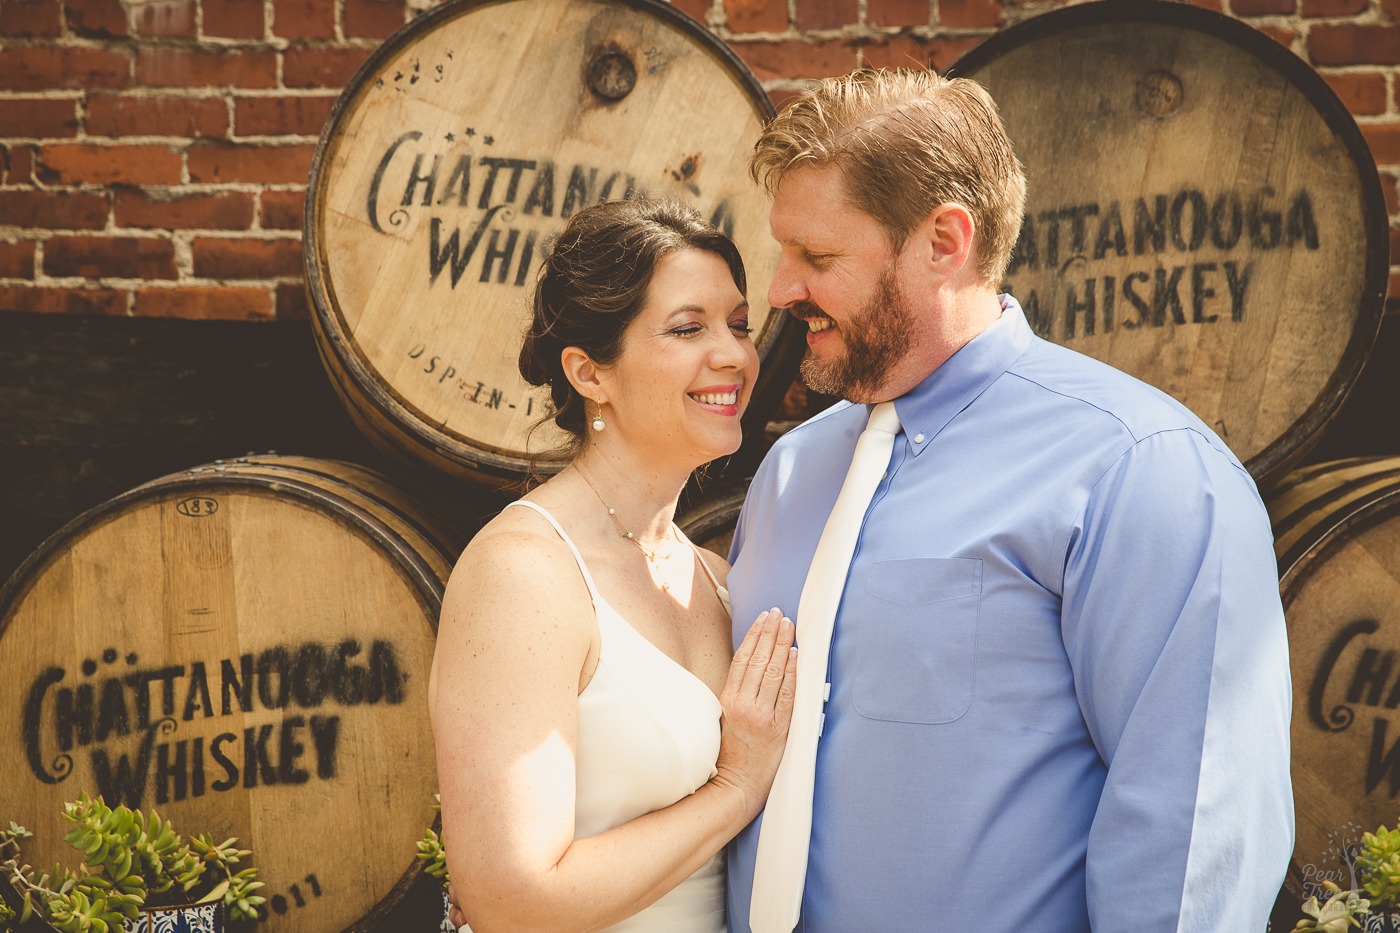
x=593 y=283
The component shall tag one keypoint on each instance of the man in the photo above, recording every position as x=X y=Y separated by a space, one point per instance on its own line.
x=1058 y=679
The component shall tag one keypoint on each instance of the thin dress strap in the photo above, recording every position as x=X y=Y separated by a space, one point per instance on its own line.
x=720 y=591
x=583 y=568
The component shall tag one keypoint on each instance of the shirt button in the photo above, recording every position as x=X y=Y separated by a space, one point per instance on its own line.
x=918 y=438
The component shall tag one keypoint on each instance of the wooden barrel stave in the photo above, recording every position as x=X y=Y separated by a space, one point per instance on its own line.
x=1338 y=544
x=422 y=348
x=1202 y=213
x=246 y=572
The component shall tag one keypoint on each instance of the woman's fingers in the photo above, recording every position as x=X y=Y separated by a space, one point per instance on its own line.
x=775 y=670
x=757 y=667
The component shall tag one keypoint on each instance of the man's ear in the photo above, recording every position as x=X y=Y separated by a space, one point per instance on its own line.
x=583 y=374
x=946 y=236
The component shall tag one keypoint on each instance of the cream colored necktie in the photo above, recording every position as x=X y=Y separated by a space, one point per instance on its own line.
x=780 y=870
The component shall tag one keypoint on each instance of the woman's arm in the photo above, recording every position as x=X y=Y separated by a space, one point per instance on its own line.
x=513 y=641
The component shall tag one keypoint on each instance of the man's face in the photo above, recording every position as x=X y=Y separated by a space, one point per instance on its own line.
x=839 y=273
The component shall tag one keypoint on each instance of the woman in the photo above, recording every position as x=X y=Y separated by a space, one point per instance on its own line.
x=588 y=778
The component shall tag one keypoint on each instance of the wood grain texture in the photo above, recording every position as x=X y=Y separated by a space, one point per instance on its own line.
x=1337 y=534
x=244 y=646
x=1202 y=214
x=453 y=157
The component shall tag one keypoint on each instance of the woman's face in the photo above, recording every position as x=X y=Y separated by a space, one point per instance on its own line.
x=688 y=362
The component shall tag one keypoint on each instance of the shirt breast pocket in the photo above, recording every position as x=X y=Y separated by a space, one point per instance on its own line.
x=916 y=639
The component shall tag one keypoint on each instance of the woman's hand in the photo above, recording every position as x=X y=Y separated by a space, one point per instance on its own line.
x=757 y=701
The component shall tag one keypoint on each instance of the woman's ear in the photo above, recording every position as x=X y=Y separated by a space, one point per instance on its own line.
x=583 y=374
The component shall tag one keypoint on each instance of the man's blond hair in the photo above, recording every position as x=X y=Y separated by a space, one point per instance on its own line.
x=905 y=141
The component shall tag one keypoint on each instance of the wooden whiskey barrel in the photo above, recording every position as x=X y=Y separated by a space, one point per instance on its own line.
x=459 y=148
x=1337 y=536
x=245 y=648
x=1202 y=213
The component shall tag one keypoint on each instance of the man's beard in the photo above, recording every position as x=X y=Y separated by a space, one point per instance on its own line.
x=874 y=342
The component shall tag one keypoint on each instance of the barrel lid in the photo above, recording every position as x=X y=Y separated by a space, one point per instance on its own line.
x=244 y=648
x=1202 y=213
x=1340 y=554
x=459 y=148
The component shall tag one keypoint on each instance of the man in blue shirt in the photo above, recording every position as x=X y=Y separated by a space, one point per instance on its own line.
x=1059 y=690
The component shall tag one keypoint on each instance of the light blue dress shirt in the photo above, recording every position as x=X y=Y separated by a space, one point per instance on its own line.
x=1059 y=677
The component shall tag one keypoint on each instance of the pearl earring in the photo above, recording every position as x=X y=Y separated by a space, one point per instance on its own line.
x=598 y=422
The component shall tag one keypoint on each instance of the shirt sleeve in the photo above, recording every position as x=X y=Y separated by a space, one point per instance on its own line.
x=1175 y=632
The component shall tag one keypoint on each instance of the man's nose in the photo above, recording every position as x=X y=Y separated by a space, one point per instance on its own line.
x=787 y=287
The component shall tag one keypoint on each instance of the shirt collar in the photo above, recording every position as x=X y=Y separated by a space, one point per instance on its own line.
x=926 y=409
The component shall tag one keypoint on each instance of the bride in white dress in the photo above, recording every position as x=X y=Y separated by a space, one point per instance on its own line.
x=596 y=744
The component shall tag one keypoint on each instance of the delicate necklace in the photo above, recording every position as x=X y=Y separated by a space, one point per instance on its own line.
x=651 y=555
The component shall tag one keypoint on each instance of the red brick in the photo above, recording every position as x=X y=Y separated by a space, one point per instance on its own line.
x=281 y=116
x=38 y=117
x=19 y=165
x=897 y=12
x=373 y=19
x=17 y=260
x=225 y=210
x=1361 y=92
x=1283 y=37
x=782 y=96
x=897 y=52
x=79 y=164
x=245 y=258
x=1395 y=248
x=968 y=14
x=250 y=164
x=912 y=52
x=1262 y=7
x=234 y=19
x=321 y=67
x=118 y=257
x=282 y=210
x=303 y=19
x=43 y=69
x=1333 y=7
x=1384 y=140
x=167 y=67
x=1390 y=188
x=291 y=302
x=54 y=210
x=698 y=10
x=30 y=19
x=1208 y=4
x=204 y=303
x=64 y=300
x=778 y=60
x=826 y=14
x=1354 y=45
x=165 y=18
x=96 y=19
x=1392 y=293
x=186 y=117
x=756 y=15
x=1391 y=8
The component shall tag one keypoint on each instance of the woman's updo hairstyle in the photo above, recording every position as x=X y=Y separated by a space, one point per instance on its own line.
x=593 y=283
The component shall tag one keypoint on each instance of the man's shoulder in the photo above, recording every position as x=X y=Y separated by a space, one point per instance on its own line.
x=1102 y=391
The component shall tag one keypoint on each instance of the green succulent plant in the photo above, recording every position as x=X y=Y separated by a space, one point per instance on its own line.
x=1337 y=915
x=1379 y=861
x=430 y=850
x=130 y=860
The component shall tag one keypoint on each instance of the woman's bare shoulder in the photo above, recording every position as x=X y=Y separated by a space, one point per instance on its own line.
x=518 y=557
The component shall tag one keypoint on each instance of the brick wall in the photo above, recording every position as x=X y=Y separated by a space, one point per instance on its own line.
x=155 y=152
